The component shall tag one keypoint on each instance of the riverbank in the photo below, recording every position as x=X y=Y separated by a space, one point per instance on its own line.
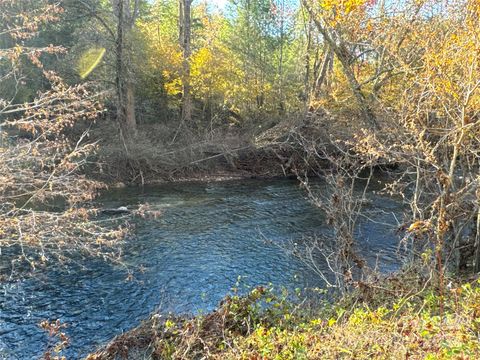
x=401 y=316
x=156 y=155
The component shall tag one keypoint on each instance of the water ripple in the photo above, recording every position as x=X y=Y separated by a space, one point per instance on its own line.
x=208 y=235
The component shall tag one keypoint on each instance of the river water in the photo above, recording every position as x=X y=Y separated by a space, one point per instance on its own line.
x=209 y=234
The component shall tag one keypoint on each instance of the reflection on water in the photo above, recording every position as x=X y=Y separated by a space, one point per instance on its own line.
x=208 y=235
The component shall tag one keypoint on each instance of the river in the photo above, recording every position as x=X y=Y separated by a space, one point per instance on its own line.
x=208 y=235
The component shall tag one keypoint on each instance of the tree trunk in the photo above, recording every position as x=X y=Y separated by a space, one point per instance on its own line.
x=306 y=80
x=341 y=51
x=326 y=65
x=181 y=23
x=119 y=80
x=476 y=259
x=130 y=120
x=185 y=38
x=281 y=99
x=365 y=109
x=124 y=87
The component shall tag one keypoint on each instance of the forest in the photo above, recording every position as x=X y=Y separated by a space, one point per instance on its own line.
x=328 y=142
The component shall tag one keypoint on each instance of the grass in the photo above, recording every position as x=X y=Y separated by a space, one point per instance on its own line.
x=396 y=318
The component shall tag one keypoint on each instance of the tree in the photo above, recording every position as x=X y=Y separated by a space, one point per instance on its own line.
x=329 y=18
x=185 y=35
x=40 y=161
x=126 y=13
x=111 y=26
x=435 y=127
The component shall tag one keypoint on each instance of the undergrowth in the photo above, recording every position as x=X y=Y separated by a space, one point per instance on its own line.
x=395 y=317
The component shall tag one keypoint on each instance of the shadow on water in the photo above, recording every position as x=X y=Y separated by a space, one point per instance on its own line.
x=207 y=236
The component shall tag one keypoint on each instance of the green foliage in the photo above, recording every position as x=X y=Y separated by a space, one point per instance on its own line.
x=266 y=325
x=246 y=60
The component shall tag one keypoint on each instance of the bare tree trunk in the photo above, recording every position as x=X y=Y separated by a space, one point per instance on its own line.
x=130 y=120
x=280 y=65
x=326 y=65
x=306 y=81
x=185 y=34
x=339 y=48
x=184 y=39
x=355 y=86
x=119 y=81
x=124 y=87
x=476 y=259
x=180 y=23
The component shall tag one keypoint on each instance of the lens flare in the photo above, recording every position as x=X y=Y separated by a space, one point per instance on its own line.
x=89 y=61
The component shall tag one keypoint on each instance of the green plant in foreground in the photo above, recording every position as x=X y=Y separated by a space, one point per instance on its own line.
x=264 y=324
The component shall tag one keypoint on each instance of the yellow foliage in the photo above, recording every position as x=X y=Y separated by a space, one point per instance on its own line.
x=346 y=11
x=163 y=56
x=344 y=6
x=418 y=226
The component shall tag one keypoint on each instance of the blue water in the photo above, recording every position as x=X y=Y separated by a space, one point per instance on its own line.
x=209 y=234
